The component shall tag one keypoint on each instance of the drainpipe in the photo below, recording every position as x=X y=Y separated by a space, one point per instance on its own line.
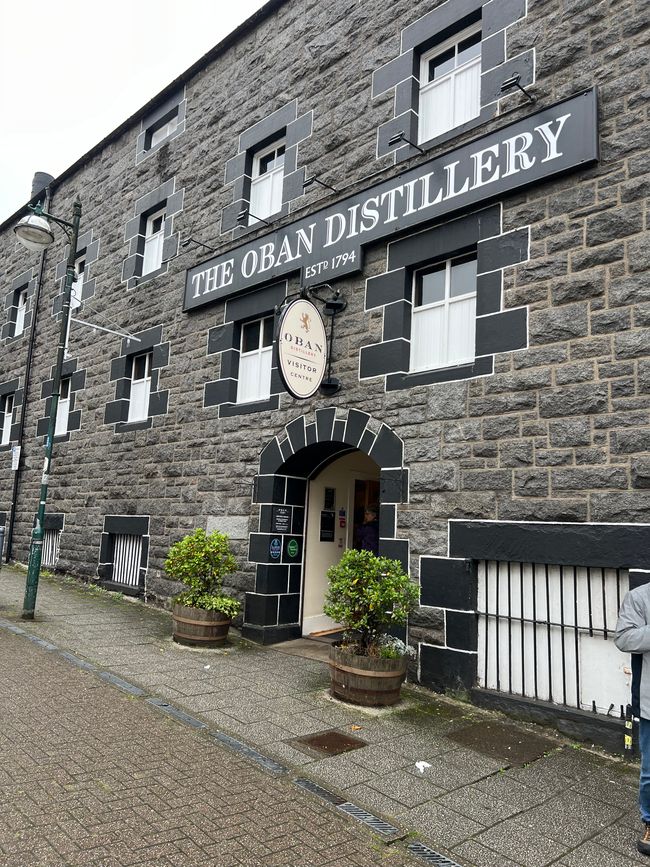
x=28 y=369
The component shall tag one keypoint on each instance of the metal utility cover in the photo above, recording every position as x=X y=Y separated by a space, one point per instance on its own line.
x=330 y=742
x=503 y=741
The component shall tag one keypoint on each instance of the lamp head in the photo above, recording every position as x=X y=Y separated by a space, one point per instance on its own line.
x=34 y=232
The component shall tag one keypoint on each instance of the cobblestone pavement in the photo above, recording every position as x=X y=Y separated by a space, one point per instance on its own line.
x=568 y=807
x=91 y=776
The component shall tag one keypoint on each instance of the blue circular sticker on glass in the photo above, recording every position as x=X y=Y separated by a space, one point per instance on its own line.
x=275 y=549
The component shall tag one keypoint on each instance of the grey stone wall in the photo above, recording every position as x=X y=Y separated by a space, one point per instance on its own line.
x=560 y=432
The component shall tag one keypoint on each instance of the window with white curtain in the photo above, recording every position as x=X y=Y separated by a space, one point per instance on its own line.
x=153 y=242
x=443 y=325
x=450 y=84
x=7 y=417
x=256 y=353
x=21 y=307
x=63 y=409
x=267 y=180
x=140 y=387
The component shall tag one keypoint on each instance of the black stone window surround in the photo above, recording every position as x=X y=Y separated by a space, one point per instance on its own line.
x=7 y=389
x=282 y=124
x=163 y=197
x=497 y=330
x=77 y=383
x=114 y=525
x=400 y=76
x=117 y=412
x=87 y=249
x=174 y=108
x=225 y=341
x=25 y=282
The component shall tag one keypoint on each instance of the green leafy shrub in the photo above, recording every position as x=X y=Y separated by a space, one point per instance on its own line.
x=201 y=562
x=367 y=595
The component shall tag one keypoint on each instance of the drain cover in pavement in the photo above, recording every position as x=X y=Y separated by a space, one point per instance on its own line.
x=329 y=743
x=503 y=741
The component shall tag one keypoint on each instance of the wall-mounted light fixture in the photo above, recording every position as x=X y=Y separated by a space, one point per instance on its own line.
x=514 y=81
x=243 y=217
x=314 y=179
x=401 y=136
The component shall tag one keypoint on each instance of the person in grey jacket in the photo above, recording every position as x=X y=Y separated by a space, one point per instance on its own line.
x=633 y=636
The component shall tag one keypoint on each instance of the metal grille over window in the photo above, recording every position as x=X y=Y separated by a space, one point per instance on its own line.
x=546 y=632
x=444 y=314
x=266 y=182
x=255 y=360
x=51 y=543
x=450 y=79
x=127 y=554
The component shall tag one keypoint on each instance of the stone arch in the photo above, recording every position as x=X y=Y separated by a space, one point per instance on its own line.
x=303 y=448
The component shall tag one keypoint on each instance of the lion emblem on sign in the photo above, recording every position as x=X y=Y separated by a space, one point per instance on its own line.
x=305 y=321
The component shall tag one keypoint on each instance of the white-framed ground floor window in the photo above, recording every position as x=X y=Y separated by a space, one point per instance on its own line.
x=140 y=387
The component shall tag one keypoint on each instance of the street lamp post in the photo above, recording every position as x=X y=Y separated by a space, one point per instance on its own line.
x=35 y=233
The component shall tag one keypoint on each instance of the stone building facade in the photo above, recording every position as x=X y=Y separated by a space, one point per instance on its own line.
x=389 y=150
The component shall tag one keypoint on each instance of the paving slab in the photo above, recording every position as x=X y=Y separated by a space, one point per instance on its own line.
x=566 y=804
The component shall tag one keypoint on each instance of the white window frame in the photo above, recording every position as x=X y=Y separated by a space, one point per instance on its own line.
x=254 y=379
x=63 y=409
x=21 y=309
x=160 y=133
x=7 y=417
x=426 y=86
x=78 y=282
x=153 y=243
x=418 y=366
x=140 y=389
x=266 y=187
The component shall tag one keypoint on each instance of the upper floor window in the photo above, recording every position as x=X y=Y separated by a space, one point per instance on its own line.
x=21 y=307
x=450 y=84
x=77 y=285
x=140 y=387
x=63 y=409
x=162 y=129
x=443 y=326
x=7 y=407
x=153 y=242
x=255 y=360
x=266 y=181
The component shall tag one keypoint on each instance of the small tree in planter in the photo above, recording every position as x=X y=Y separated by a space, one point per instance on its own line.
x=367 y=595
x=202 y=614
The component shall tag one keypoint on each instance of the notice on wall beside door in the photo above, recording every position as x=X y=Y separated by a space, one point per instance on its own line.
x=329 y=499
x=327 y=526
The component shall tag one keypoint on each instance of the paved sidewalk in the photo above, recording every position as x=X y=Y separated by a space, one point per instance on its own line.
x=568 y=807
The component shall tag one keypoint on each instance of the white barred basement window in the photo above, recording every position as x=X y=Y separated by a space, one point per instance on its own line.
x=450 y=84
x=267 y=181
x=256 y=354
x=140 y=387
x=127 y=554
x=443 y=325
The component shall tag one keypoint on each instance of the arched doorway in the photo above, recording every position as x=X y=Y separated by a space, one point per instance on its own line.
x=337 y=500
x=304 y=451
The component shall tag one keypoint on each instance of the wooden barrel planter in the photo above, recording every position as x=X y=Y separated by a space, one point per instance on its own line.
x=366 y=680
x=196 y=627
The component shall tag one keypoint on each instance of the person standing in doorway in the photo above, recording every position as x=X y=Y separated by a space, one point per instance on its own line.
x=633 y=636
x=368 y=532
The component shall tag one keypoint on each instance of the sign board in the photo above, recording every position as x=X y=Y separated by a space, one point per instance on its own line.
x=301 y=349
x=327 y=526
x=329 y=243
x=275 y=549
x=281 y=519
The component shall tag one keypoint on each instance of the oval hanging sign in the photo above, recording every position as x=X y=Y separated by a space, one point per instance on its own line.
x=302 y=349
